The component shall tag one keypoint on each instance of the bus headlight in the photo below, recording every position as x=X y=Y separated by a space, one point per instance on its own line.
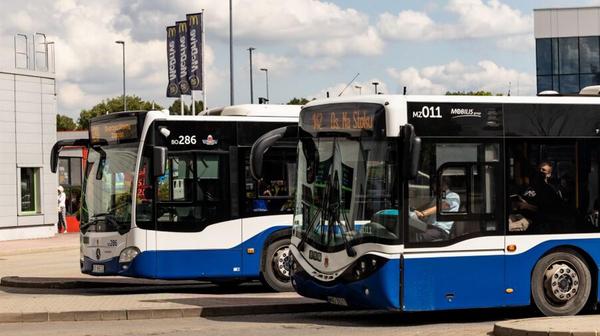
x=127 y=256
x=363 y=267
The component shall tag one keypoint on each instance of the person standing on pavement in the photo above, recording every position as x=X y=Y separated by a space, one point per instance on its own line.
x=62 y=210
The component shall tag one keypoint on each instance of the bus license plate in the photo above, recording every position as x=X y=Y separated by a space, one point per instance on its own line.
x=98 y=268
x=337 y=301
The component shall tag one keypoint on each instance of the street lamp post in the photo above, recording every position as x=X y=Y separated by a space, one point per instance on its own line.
x=230 y=53
x=359 y=89
x=375 y=85
x=251 y=82
x=267 y=78
x=124 y=97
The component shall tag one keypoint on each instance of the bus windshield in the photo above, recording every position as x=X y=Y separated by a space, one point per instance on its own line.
x=345 y=193
x=108 y=188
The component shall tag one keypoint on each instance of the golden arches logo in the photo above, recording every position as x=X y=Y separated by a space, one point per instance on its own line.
x=194 y=20
x=182 y=27
x=171 y=31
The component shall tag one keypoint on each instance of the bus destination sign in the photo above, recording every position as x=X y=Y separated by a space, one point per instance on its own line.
x=351 y=118
x=116 y=130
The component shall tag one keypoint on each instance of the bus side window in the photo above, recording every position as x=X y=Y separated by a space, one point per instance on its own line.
x=553 y=187
x=455 y=192
x=273 y=193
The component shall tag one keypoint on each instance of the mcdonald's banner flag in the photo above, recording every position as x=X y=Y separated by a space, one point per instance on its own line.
x=184 y=58
x=173 y=86
x=196 y=49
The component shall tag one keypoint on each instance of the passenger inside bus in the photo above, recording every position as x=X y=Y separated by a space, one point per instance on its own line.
x=555 y=195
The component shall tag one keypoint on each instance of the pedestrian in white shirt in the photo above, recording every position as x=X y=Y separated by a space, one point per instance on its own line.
x=62 y=210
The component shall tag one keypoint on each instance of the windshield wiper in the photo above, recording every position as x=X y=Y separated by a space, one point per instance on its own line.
x=335 y=211
x=311 y=224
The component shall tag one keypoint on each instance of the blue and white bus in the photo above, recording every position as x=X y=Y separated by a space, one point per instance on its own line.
x=171 y=197
x=419 y=203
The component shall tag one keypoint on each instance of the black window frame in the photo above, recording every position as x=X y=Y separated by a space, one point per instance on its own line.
x=499 y=213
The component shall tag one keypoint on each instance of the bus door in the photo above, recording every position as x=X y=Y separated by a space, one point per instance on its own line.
x=267 y=205
x=196 y=235
x=454 y=255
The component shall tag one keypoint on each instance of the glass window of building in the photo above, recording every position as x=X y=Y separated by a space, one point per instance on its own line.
x=544 y=83
x=568 y=55
x=30 y=191
x=543 y=51
x=589 y=79
x=569 y=84
x=589 y=56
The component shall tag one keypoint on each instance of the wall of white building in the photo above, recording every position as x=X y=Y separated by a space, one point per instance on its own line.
x=27 y=134
x=566 y=22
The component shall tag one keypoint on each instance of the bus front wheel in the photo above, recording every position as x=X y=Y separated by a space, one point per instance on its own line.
x=561 y=283
x=276 y=266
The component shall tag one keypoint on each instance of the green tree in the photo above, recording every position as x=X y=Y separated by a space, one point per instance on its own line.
x=175 y=108
x=134 y=103
x=472 y=93
x=64 y=123
x=298 y=101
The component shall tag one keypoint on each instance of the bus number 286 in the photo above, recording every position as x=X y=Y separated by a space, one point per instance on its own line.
x=184 y=140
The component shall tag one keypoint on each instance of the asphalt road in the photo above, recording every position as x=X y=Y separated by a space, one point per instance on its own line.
x=332 y=323
x=66 y=264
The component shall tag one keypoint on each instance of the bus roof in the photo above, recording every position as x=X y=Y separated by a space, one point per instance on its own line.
x=461 y=116
x=396 y=99
x=256 y=110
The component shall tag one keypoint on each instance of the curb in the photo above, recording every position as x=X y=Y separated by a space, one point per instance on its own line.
x=520 y=328
x=91 y=283
x=162 y=313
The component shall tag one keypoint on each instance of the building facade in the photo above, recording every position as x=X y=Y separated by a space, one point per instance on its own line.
x=28 y=197
x=567 y=47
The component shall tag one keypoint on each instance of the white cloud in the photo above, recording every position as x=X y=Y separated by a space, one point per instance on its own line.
x=474 y=19
x=88 y=62
x=455 y=76
x=276 y=64
x=324 y=64
x=315 y=28
x=368 y=43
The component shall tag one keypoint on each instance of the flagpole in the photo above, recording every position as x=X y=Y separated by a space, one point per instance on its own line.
x=193 y=105
x=203 y=64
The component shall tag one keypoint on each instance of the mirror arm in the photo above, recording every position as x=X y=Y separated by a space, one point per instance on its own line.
x=262 y=145
x=64 y=143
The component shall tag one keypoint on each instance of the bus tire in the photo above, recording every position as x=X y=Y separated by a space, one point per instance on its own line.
x=561 y=283
x=276 y=269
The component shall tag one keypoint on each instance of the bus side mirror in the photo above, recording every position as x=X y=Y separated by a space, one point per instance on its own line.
x=411 y=151
x=309 y=149
x=413 y=168
x=54 y=157
x=159 y=156
x=64 y=143
x=262 y=145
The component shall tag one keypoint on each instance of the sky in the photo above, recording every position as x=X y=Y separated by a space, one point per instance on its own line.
x=309 y=47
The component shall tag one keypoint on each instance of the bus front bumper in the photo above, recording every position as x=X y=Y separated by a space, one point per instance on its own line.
x=380 y=290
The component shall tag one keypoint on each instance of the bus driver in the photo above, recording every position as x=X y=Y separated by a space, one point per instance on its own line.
x=450 y=202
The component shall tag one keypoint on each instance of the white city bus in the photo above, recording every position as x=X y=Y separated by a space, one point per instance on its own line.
x=171 y=197
x=419 y=203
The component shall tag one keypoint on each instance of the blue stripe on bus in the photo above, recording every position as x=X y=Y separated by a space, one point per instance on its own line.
x=193 y=264
x=452 y=282
x=521 y=265
x=383 y=288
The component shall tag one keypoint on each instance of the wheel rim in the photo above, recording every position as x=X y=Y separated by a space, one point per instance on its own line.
x=561 y=282
x=281 y=263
